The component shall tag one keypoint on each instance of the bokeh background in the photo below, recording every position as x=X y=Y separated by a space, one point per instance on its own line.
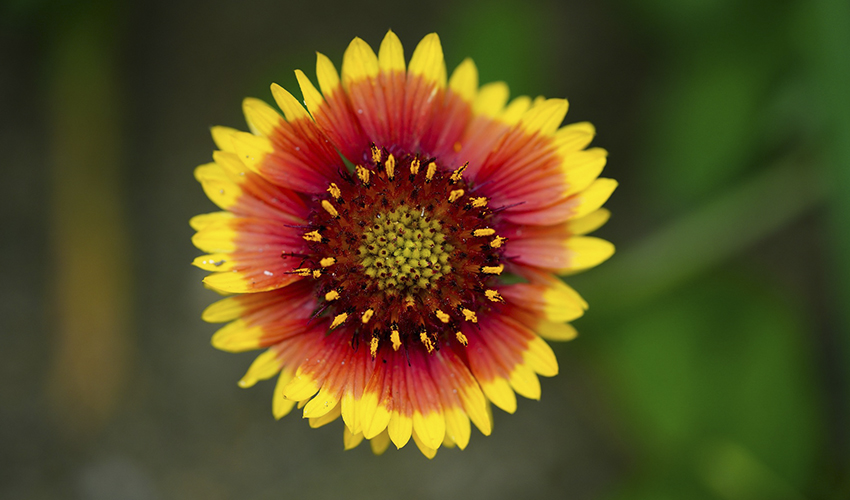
x=712 y=364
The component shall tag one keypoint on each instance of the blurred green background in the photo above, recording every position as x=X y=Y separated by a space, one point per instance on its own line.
x=712 y=364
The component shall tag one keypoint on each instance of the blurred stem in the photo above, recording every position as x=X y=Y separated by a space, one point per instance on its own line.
x=700 y=240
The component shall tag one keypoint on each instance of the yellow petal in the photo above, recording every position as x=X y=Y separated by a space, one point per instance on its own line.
x=500 y=393
x=491 y=99
x=475 y=405
x=425 y=449
x=350 y=440
x=550 y=330
x=216 y=238
x=581 y=168
x=545 y=117
x=237 y=336
x=326 y=74
x=374 y=416
x=217 y=186
x=261 y=118
x=219 y=262
x=589 y=223
x=223 y=310
x=350 y=409
x=312 y=97
x=540 y=357
x=199 y=222
x=301 y=387
x=358 y=63
x=223 y=137
x=391 y=54
x=587 y=252
x=427 y=60
x=515 y=110
x=574 y=137
x=280 y=405
x=265 y=366
x=525 y=382
x=400 y=428
x=430 y=427
x=324 y=419
x=464 y=81
x=457 y=426
x=562 y=302
x=380 y=443
x=594 y=196
x=250 y=148
x=292 y=109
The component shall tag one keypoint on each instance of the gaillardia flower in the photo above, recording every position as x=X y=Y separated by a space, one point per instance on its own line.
x=393 y=247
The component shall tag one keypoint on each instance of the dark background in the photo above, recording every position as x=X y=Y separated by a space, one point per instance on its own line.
x=712 y=364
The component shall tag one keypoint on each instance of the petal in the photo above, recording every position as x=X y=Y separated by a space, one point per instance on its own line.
x=427 y=60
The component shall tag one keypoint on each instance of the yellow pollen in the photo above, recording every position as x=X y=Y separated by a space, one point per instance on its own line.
x=479 y=202
x=432 y=169
x=303 y=271
x=484 y=232
x=312 y=236
x=493 y=269
x=462 y=338
x=454 y=195
x=458 y=174
x=414 y=166
x=373 y=346
x=497 y=242
x=442 y=316
x=317 y=273
x=330 y=209
x=426 y=341
x=363 y=174
x=367 y=315
x=332 y=295
x=334 y=191
x=494 y=296
x=327 y=261
x=338 y=320
x=394 y=337
x=376 y=154
x=389 y=165
x=469 y=315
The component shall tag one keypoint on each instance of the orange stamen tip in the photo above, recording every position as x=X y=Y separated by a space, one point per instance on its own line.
x=330 y=209
x=426 y=341
x=367 y=316
x=469 y=315
x=312 y=236
x=458 y=174
x=479 y=202
x=494 y=296
x=327 y=261
x=373 y=346
x=332 y=295
x=462 y=338
x=442 y=316
x=396 y=340
x=493 y=269
x=334 y=191
x=432 y=169
x=338 y=320
x=484 y=232
x=389 y=165
x=363 y=174
x=414 y=166
x=497 y=242
x=454 y=195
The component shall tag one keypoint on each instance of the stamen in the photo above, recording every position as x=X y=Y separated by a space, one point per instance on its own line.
x=396 y=340
x=317 y=273
x=469 y=315
x=454 y=195
x=462 y=338
x=493 y=269
x=479 y=202
x=484 y=232
x=442 y=316
x=363 y=174
x=414 y=166
x=389 y=165
x=338 y=320
x=373 y=346
x=432 y=169
x=426 y=341
x=335 y=191
x=303 y=271
x=330 y=209
x=367 y=316
x=327 y=261
x=332 y=295
x=458 y=174
x=497 y=242
x=494 y=296
x=376 y=154
x=313 y=236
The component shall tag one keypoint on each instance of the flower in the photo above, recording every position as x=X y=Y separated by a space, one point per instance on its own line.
x=394 y=248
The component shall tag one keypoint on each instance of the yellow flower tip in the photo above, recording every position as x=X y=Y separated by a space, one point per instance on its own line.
x=469 y=315
x=455 y=195
x=313 y=236
x=493 y=296
x=483 y=232
x=464 y=80
x=432 y=169
x=334 y=191
x=332 y=295
x=462 y=338
x=367 y=316
x=327 y=262
x=493 y=269
x=261 y=118
x=326 y=74
x=427 y=60
x=497 y=241
x=396 y=340
x=391 y=53
x=358 y=62
x=442 y=316
x=457 y=175
x=338 y=320
x=426 y=341
x=373 y=346
x=389 y=165
x=330 y=209
x=312 y=98
x=414 y=166
x=363 y=174
x=479 y=202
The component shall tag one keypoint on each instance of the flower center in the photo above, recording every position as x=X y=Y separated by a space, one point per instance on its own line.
x=404 y=249
x=402 y=253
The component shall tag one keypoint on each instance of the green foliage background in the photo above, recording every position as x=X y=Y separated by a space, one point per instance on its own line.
x=712 y=364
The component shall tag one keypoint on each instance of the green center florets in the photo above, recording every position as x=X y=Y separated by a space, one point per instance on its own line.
x=404 y=249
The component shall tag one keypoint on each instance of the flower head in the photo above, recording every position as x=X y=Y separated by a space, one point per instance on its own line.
x=393 y=246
